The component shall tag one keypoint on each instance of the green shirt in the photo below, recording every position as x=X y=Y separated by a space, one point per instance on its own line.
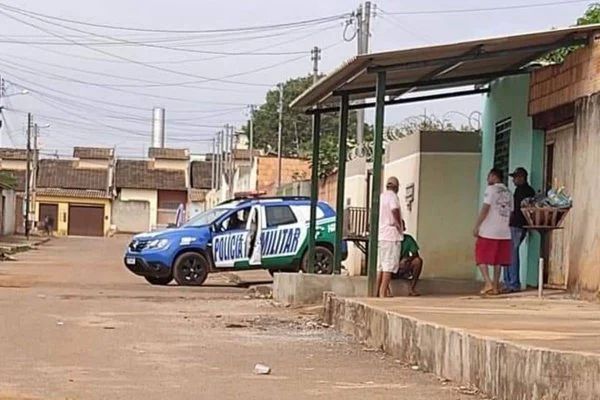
x=409 y=247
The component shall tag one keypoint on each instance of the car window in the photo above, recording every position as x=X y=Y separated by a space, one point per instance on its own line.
x=206 y=217
x=236 y=221
x=279 y=215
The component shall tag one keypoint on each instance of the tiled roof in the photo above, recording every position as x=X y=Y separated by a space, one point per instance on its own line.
x=168 y=154
x=62 y=174
x=80 y=193
x=139 y=174
x=201 y=174
x=95 y=153
x=7 y=153
x=198 y=195
x=19 y=176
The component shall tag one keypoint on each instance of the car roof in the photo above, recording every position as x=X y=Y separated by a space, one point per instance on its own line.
x=283 y=200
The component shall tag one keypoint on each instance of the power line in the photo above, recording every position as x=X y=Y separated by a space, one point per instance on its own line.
x=141 y=44
x=225 y=30
x=484 y=9
x=116 y=55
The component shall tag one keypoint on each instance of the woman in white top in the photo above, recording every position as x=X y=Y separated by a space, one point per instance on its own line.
x=493 y=247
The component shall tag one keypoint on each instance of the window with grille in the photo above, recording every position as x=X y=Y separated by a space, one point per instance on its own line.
x=502 y=146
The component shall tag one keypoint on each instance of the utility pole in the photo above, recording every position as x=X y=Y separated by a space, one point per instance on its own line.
x=227 y=163
x=2 y=91
x=231 y=160
x=34 y=174
x=279 y=135
x=315 y=56
x=363 y=22
x=220 y=147
x=213 y=164
x=251 y=133
x=28 y=176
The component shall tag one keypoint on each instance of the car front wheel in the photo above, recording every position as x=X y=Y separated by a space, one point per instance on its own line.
x=190 y=269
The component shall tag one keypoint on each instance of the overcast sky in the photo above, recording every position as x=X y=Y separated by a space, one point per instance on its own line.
x=99 y=95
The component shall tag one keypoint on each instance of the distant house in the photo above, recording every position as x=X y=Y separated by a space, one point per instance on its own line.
x=200 y=185
x=14 y=163
x=161 y=183
x=76 y=194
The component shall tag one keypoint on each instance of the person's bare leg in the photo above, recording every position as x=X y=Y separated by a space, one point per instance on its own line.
x=417 y=267
x=386 y=277
x=379 y=275
x=496 y=284
x=486 y=277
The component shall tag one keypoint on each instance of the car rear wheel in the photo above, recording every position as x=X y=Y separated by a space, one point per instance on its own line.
x=159 y=281
x=191 y=269
x=323 y=261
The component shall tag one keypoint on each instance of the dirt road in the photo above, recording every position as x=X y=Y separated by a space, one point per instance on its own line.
x=77 y=325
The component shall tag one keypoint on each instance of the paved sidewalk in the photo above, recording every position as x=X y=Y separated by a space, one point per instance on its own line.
x=554 y=322
x=510 y=347
x=16 y=244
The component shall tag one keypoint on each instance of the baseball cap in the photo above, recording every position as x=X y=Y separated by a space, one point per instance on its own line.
x=520 y=171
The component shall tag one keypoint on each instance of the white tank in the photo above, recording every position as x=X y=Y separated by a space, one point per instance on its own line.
x=158 y=127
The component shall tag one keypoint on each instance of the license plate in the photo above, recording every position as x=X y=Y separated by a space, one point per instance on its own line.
x=130 y=261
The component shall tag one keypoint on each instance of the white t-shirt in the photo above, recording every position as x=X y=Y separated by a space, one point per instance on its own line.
x=387 y=229
x=496 y=224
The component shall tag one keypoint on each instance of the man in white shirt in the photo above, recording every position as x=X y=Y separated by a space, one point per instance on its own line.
x=493 y=247
x=390 y=236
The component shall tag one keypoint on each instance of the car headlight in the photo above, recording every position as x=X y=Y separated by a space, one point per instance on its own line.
x=157 y=244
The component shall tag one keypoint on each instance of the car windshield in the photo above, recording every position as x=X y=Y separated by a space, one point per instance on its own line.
x=206 y=217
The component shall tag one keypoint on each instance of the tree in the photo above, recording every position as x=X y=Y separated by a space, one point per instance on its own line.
x=7 y=180
x=591 y=16
x=297 y=127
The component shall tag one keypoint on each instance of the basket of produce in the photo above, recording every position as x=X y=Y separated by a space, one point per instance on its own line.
x=547 y=211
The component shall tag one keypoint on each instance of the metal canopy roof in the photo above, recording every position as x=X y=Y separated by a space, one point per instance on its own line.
x=438 y=67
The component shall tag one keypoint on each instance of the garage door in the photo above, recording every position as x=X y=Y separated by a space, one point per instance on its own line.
x=86 y=220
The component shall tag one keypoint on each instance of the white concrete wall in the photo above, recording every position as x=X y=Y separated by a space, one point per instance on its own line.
x=149 y=195
x=10 y=212
x=195 y=207
x=93 y=163
x=131 y=216
x=14 y=164
x=448 y=204
x=406 y=169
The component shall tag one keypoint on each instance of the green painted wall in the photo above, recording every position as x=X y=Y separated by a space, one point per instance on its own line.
x=508 y=98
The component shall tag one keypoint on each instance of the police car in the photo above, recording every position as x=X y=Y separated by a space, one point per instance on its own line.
x=242 y=234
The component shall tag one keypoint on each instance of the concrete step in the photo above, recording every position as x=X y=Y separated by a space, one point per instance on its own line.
x=500 y=368
x=298 y=288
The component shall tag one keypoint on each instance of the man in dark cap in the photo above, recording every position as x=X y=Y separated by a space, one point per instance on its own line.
x=523 y=190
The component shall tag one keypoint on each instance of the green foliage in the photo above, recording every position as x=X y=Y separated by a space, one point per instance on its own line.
x=297 y=127
x=7 y=180
x=591 y=16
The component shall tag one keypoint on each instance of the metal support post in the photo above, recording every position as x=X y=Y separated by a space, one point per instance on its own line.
x=376 y=186
x=341 y=178
x=314 y=191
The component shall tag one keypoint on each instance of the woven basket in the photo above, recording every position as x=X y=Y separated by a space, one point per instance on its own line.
x=544 y=216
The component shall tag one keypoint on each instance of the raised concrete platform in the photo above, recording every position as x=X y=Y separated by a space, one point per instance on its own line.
x=512 y=348
x=299 y=288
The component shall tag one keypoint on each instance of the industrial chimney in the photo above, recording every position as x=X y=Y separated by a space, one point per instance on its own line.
x=158 y=127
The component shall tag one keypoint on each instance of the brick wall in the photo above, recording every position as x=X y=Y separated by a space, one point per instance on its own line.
x=293 y=169
x=556 y=85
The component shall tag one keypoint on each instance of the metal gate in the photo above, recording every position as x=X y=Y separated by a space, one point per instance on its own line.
x=86 y=220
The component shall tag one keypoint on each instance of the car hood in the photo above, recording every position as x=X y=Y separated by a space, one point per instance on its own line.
x=197 y=233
